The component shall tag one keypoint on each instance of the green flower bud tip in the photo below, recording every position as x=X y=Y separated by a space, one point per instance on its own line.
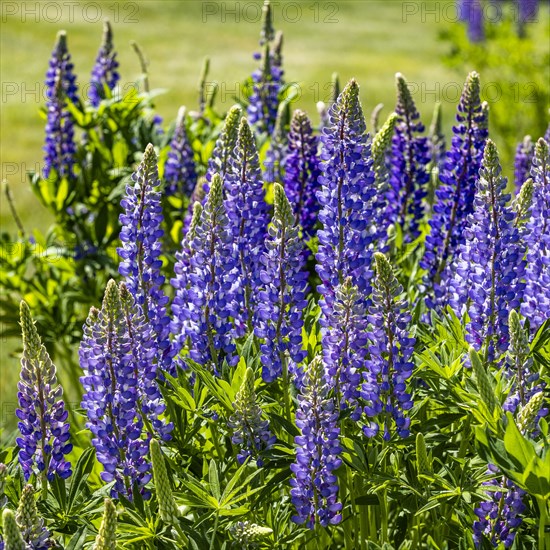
x=167 y=506
x=528 y=414
x=12 y=535
x=31 y=339
x=106 y=538
x=27 y=517
x=283 y=209
x=422 y=461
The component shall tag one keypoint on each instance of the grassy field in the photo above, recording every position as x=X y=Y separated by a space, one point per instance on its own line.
x=367 y=39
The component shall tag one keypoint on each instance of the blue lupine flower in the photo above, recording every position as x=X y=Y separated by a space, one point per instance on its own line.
x=389 y=364
x=61 y=86
x=247 y=212
x=140 y=252
x=536 y=302
x=314 y=484
x=105 y=72
x=212 y=296
x=344 y=346
x=180 y=172
x=276 y=154
x=112 y=395
x=351 y=223
x=282 y=297
x=455 y=195
x=471 y=11
x=489 y=272
x=409 y=159
x=523 y=160
x=45 y=438
x=251 y=434
x=302 y=172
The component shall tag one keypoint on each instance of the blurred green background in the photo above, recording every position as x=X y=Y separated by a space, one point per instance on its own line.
x=366 y=39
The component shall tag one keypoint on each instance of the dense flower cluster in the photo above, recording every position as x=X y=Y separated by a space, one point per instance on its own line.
x=30 y=522
x=455 y=196
x=59 y=147
x=522 y=162
x=105 y=71
x=180 y=173
x=410 y=156
x=44 y=431
x=302 y=173
x=277 y=154
x=282 y=297
x=389 y=365
x=141 y=249
x=314 y=484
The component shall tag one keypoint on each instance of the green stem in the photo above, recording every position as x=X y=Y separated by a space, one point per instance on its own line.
x=286 y=389
x=383 y=516
x=544 y=537
x=213 y=539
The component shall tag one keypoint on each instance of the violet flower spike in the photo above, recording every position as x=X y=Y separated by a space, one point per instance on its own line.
x=522 y=162
x=105 y=74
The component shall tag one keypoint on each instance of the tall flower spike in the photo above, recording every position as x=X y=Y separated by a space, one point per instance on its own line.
x=282 y=298
x=314 y=483
x=12 y=535
x=247 y=212
x=44 y=439
x=30 y=522
x=437 y=137
x=389 y=365
x=141 y=248
x=168 y=510
x=523 y=160
x=106 y=538
x=180 y=172
x=536 y=302
x=59 y=147
x=267 y=33
x=275 y=156
x=111 y=398
x=251 y=434
x=105 y=72
x=410 y=156
x=380 y=146
x=523 y=203
x=212 y=297
x=351 y=221
x=202 y=85
x=302 y=172
x=344 y=346
x=455 y=196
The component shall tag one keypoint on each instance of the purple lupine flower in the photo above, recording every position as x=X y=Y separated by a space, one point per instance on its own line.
x=247 y=213
x=350 y=221
x=206 y=304
x=472 y=12
x=140 y=252
x=180 y=173
x=314 y=484
x=251 y=434
x=267 y=83
x=275 y=156
x=344 y=341
x=59 y=147
x=455 y=196
x=198 y=195
x=112 y=396
x=499 y=517
x=302 y=172
x=489 y=271
x=44 y=431
x=389 y=365
x=105 y=72
x=181 y=281
x=282 y=297
x=523 y=160
x=143 y=350
x=409 y=159
x=536 y=302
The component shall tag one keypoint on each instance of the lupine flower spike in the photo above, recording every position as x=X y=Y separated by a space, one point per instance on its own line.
x=488 y=281
x=179 y=171
x=61 y=87
x=282 y=298
x=389 y=365
x=410 y=156
x=12 y=535
x=522 y=163
x=455 y=196
x=140 y=252
x=536 y=303
x=168 y=509
x=302 y=172
x=30 y=523
x=380 y=148
x=105 y=72
x=112 y=396
x=44 y=439
x=251 y=434
x=276 y=155
x=106 y=538
x=314 y=483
